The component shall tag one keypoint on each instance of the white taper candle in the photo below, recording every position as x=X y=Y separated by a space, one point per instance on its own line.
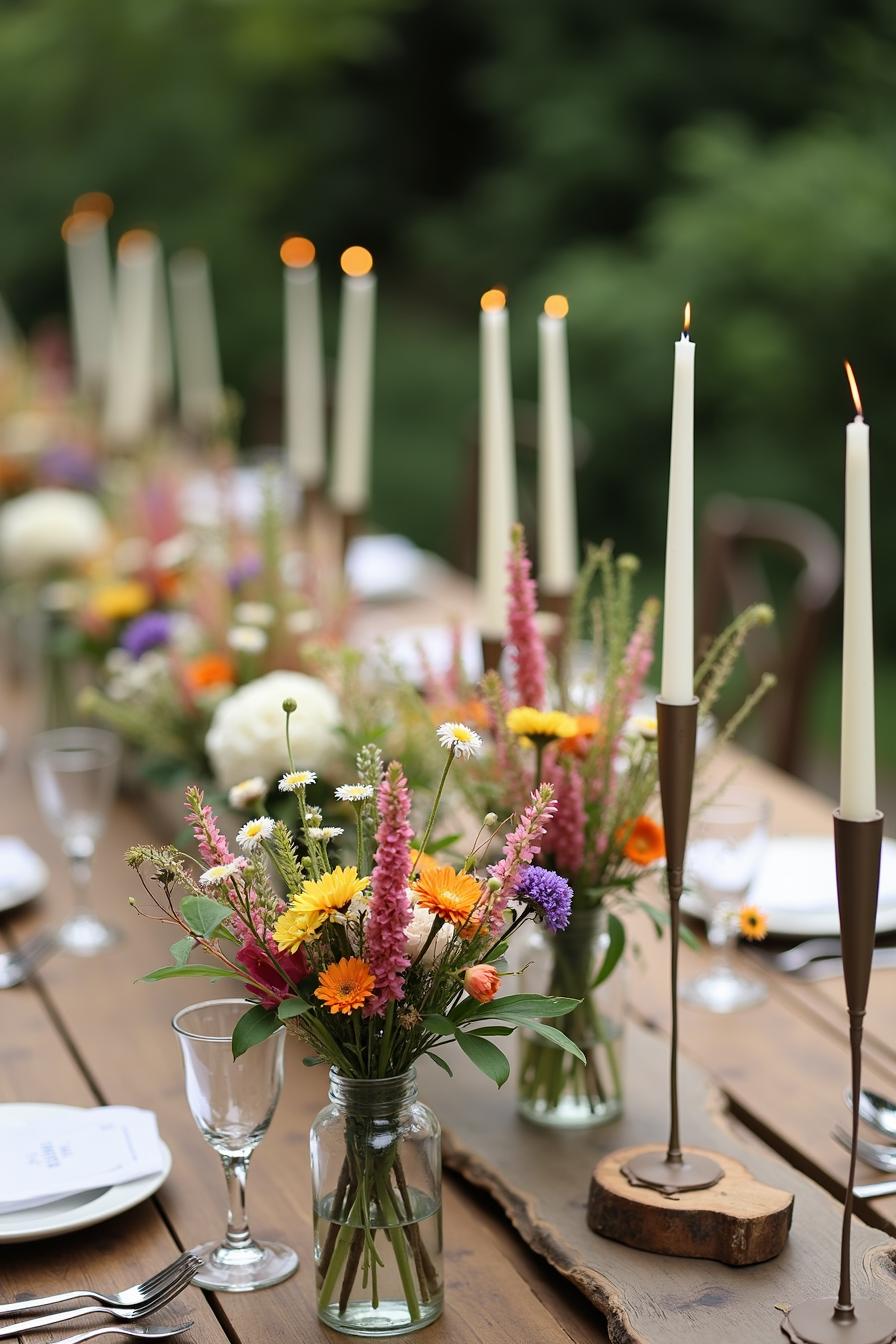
x=677 y=682
x=303 y=372
x=129 y=399
x=858 y=796
x=353 y=401
x=200 y=394
x=497 y=463
x=558 y=542
x=90 y=295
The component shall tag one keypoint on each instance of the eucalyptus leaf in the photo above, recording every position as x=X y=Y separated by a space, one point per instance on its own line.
x=529 y=1005
x=437 y=1059
x=439 y=1025
x=181 y=950
x=487 y=1057
x=615 y=949
x=211 y=972
x=204 y=915
x=294 y=1007
x=253 y=1027
x=556 y=1038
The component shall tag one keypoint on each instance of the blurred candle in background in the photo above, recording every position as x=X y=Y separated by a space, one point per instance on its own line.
x=678 y=608
x=858 y=795
x=200 y=394
x=558 y=542
x=353 y=403
x=89 y=265
x=129 y=399
x=497 y=463
x=162 y=354
x=303 y=364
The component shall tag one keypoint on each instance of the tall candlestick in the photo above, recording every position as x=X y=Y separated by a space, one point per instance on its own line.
x=90 y=289
x=129 y=398
x=195 y=340
x=678 y=608
x=162 y=356
x=353 y=403
x=497 y=463
x=858 y=798
x=303 y=364
x=558 y=543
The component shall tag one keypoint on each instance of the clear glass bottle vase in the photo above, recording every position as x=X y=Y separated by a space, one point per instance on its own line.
x=377 y=1190
x=556 y=1088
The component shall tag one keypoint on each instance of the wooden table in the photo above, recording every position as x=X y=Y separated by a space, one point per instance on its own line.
x=85 y=1033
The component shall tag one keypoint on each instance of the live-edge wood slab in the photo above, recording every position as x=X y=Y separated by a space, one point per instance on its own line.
x=739 y=1220
x=540 y=1177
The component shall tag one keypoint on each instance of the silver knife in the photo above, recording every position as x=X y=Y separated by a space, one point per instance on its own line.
x=876 y=1190
x=826 y=967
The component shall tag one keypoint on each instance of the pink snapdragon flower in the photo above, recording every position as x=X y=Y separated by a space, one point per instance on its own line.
x=520 y=848
x=390 y=912
x=528 y=656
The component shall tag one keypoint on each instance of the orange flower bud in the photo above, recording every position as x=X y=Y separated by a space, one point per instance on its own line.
x=482 y=982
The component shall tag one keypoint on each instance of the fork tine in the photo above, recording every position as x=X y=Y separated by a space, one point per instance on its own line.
x=172 y=1288
x=163 y=1274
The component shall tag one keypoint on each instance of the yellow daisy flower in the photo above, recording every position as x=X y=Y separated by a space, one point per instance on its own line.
x=120 y=601
x=541 y=725
x=314 y=904
x=753 y=923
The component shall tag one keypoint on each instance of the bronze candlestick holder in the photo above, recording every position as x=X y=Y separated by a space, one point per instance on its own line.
x=674 y=1171
x=857 y=847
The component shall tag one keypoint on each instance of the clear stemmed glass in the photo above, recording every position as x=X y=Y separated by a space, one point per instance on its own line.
x=233 y=1101
x=728 y=842
x=74 y=771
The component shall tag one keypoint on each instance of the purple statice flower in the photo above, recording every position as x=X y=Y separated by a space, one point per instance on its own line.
x=550 y=895
x=146 y=632
x=243 y=570
x=66 y=464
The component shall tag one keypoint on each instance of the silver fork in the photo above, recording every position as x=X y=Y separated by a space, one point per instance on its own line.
x=17 y=966
x=135 y=1296
x=879 y=1155
x=120 y=1313
x=134 y=1331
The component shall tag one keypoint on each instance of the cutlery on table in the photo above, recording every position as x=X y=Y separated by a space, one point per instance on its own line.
x=877 y=1111
x=17 y=966
x=796 y=958
x=136 y=1296
x=149 y=1331
x=174 y=1287
x=876 y=1190
x=878 y=1155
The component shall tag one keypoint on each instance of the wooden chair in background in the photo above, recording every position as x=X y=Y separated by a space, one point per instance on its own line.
x=735 y=535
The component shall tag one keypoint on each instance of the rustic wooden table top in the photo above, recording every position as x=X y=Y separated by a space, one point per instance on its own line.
x=87 y=1033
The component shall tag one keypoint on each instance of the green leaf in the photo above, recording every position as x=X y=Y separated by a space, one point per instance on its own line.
x=487 y=1057
x=437 y=1059
x=439 y=1025
x=294 y=1007
x=253 y=1027
x=556 y=1038
x=658 y=917
x=204 y=915
x=689 y=937
x=529 y=1005
x=492 y=1029
x=181 y=950
x=311 y=1061
x=444 y=842
x=213 y=972
x=615 y=949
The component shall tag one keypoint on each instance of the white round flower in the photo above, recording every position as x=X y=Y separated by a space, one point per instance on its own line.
x=460 y=739
x=324 y=832
x=643 y=725
x=296 y=779
x=174 y=552
x=419 y=930
x=354 y=793
x=246 y=639
x=221 y=872
x=251 y=835
x=254 y=613
x=302 y=621
x=248 y=729
x=50 y=529
x=247 y=792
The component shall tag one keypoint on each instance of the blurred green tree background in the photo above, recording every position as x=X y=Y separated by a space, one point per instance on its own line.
x=739 y=155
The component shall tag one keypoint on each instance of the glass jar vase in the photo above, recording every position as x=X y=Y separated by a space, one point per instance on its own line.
x=376 y=1173
x=556 y=1088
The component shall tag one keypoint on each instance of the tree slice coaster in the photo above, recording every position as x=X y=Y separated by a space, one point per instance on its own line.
x=739 y=1220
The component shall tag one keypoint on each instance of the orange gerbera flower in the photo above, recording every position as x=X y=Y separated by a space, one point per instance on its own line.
x=345 y=985
x=642 y=841
x=473 y=711
x=423 y=863
x=209 y=669
x=451 y=896
x=587 y=726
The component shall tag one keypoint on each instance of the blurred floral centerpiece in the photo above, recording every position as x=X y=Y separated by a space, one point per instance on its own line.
x=372 y=965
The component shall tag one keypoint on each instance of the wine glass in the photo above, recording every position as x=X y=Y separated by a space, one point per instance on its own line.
x=233 y=1101
x=729 y=839
x=74 y=771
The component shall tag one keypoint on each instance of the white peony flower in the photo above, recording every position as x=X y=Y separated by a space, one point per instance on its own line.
x=247 y=792
x=50 y=529
x=419 y=930
x=248 y=729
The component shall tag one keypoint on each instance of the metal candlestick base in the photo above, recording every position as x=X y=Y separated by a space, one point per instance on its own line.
x=819 y=1322
x=692 y=1171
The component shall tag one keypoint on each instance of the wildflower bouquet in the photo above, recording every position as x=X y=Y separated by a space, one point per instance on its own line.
x=584 y=736
x=372 y=964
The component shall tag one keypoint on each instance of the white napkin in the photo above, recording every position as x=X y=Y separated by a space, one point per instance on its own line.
x=21 y=870
x=382 y=567
x=68 y=1153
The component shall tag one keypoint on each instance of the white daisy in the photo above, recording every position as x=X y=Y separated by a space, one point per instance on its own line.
x=324 y=832
x=251 y=835
x=296 y=779
x=247 y=792
x=255 y=613
x=354 y=793
x=302 y=622
x=246 y=639
x=460 y=739
x=644 y=725
x=213 y=877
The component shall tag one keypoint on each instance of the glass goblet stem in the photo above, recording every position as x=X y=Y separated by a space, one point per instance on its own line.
x=80 y=867
x=236 y=1171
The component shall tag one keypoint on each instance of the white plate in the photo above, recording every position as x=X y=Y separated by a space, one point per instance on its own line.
x=796 y=888
x=23 y=874
x=76 y=1211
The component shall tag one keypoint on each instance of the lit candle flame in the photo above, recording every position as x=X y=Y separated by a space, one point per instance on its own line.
x=686 y=324
x=297 y=252
x=135 y=240
x=356 y=261
x=556 y=305
x=492 y=300
x=94 y=203
x=853 y=387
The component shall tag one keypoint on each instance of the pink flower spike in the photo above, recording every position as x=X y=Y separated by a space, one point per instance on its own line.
x=520 y=848
x=566 y=838
x=210 y=838
x=528 y=655
x=389 y=912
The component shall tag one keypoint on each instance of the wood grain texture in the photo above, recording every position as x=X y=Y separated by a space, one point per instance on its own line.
x=739 y=1221
x=541 y=1179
